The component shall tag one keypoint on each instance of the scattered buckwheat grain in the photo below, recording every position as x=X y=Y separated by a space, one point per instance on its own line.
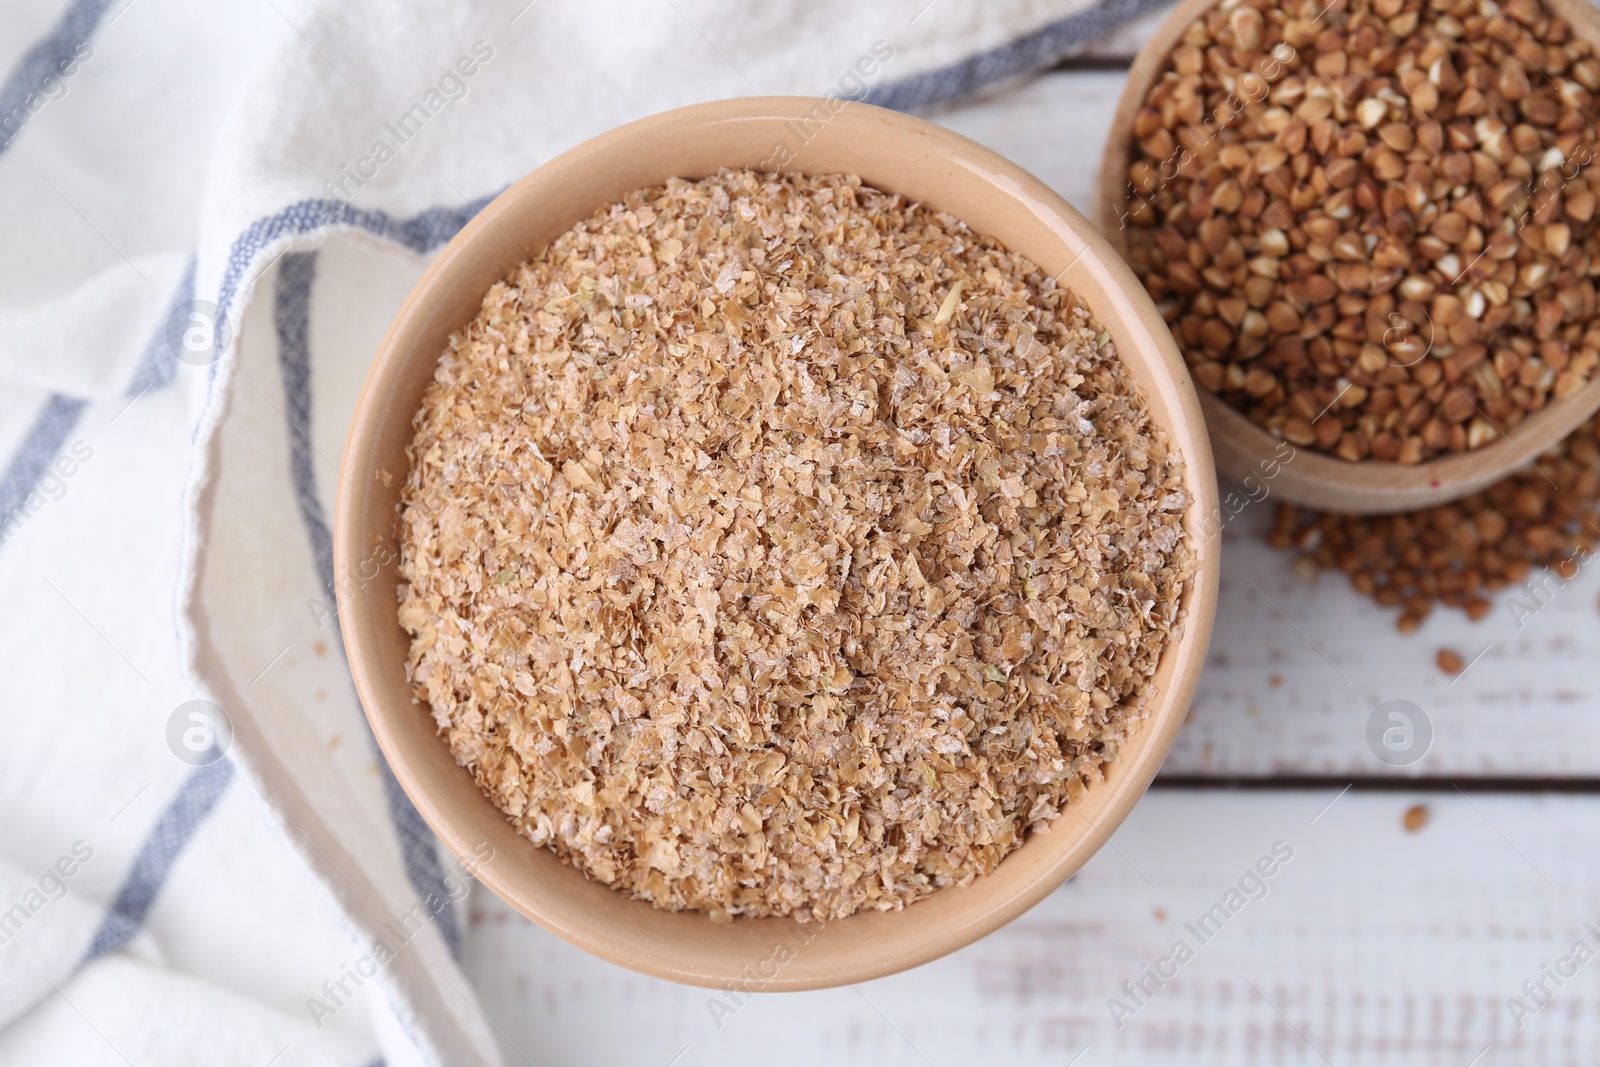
x=1457 y=553
x=774 y=546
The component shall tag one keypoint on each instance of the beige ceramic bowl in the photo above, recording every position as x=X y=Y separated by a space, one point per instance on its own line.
x=893 y=152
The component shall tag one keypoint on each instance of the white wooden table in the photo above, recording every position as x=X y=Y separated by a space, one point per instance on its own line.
x=1374 y=944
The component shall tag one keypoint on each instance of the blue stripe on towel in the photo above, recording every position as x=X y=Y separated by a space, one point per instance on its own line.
x=29 y=463
x=42 y=61
x=419 y=233
x=159 y=365
x=159 y=852
x=292 y=319
x=1015 y=59
x=291 y=316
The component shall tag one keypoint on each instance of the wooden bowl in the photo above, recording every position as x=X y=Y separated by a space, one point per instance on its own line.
x=893 y=152
x=1318 y=479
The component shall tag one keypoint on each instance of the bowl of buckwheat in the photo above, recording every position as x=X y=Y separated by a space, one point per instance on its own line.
x=1371 y=226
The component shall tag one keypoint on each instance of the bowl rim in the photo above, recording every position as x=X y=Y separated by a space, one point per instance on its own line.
x=1315 y=478
x=1127 y=778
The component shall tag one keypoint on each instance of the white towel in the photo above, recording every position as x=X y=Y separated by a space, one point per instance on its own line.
x=210 y=213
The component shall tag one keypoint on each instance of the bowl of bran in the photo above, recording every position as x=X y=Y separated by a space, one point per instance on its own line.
x=786 y=535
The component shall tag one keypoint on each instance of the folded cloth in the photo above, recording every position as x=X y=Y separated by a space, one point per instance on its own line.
x=212 y=212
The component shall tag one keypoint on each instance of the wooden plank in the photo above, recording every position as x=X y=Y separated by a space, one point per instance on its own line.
x=1371 y=944
x=1297 y=668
